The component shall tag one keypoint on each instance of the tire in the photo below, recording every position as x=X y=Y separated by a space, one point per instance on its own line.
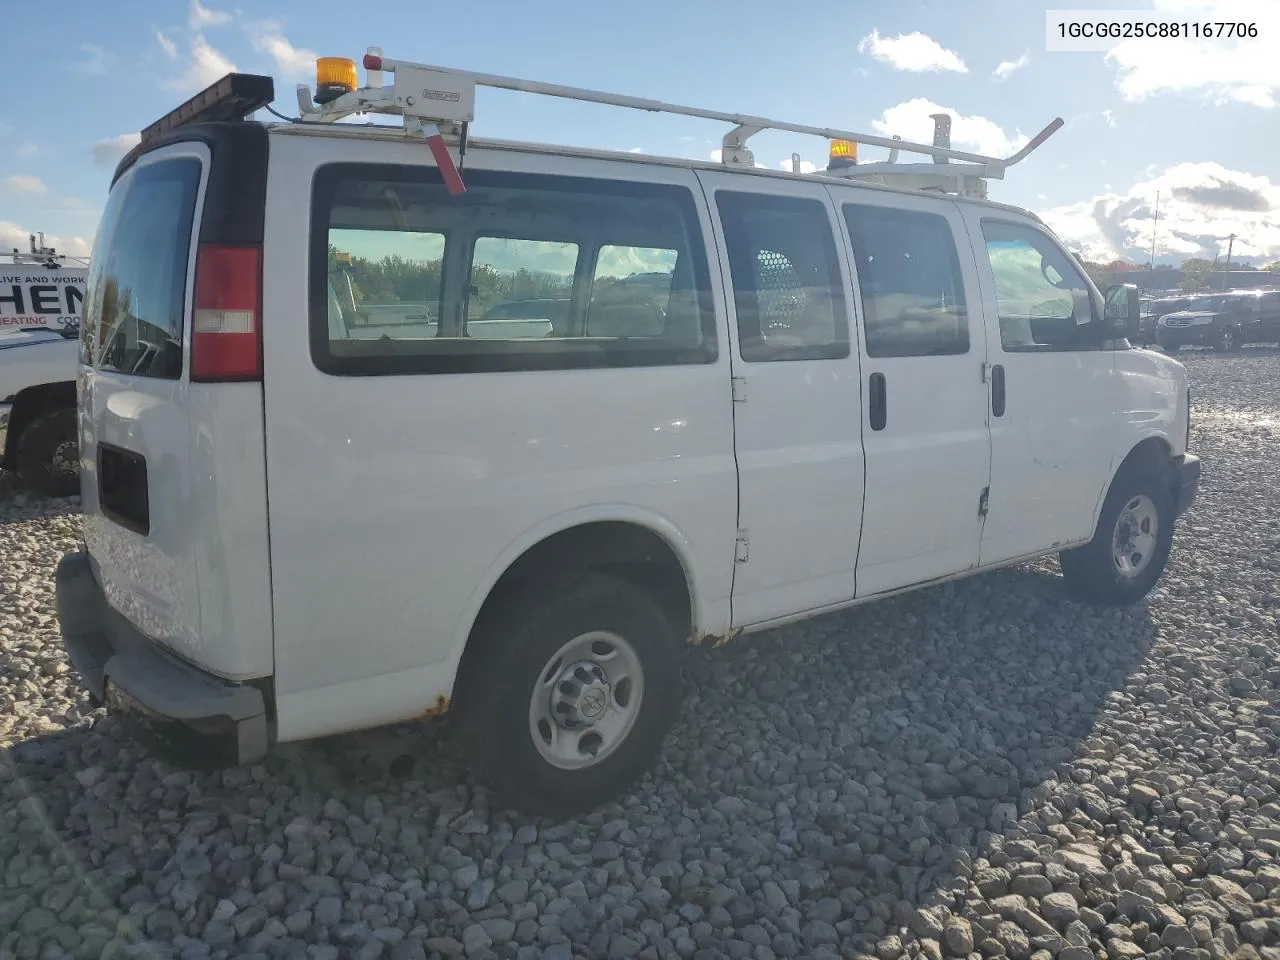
x=45 y=461
x=1094 y=572
x=1226 y=340
x=498 y=715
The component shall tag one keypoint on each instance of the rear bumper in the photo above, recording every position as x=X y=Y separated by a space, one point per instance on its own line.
x=1187 y=481
x=188 y=717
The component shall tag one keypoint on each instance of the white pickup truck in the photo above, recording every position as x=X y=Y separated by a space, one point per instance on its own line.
x=40 y=308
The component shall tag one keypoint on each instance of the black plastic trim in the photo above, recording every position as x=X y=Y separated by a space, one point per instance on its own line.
x=1187 y=468
x=997 y=390
x=235 y=199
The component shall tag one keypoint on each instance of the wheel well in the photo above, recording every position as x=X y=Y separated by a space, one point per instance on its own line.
x=1151 y=455
x=626 y=550
x=29 y=404
x=1153 y=452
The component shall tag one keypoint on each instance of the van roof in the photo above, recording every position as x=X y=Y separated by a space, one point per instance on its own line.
x=392 y=134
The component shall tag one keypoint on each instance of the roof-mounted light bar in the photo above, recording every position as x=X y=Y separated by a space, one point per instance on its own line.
x=234 y=97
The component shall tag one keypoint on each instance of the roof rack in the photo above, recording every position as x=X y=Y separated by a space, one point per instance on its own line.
x=42 y=255
x=439 y=103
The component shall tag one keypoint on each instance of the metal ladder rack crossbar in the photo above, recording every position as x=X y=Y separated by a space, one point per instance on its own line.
x=444 y=98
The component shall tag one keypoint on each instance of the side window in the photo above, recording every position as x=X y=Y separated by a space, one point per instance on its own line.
x=520 y=289
x=522 y=272
x=629 y=286
x=1042 y=298
x=786 y=278
x=383 y=283
x=909 y=277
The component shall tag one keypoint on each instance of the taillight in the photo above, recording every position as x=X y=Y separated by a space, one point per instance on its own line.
x=226 y=339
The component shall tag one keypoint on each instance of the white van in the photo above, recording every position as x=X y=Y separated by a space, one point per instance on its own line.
x=733 y=398
x=41 y=294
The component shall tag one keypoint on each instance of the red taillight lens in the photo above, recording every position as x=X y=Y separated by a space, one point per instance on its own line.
x=226 y=339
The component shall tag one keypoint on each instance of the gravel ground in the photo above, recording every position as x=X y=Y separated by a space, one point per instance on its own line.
x=981 y=769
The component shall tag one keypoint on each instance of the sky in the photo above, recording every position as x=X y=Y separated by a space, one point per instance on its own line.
x=1196 y=121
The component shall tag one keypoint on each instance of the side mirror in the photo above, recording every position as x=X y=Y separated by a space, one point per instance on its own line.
x=1123 y=310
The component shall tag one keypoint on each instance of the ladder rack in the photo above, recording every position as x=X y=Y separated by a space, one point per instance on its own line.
x=440 y=102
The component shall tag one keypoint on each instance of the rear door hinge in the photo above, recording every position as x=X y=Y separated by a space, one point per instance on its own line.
x=984 y=499
x=739 y=385
x=984 y=371
x=742 y=548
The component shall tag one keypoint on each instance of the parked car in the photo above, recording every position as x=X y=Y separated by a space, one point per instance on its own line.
x=838 y=392
x=1223 y=321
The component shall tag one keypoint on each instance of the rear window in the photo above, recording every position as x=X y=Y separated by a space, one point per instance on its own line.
x=522 y=272
x=136 y=294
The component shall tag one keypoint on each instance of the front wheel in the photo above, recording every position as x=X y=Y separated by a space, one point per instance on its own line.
x=1131 y=545
x=1227 y=340
x=567 y=696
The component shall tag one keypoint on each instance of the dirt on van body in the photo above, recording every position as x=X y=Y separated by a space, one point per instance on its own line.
x=983 y=767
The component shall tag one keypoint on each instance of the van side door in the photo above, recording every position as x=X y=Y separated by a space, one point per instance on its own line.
x=922 y=351
x=1056 y=419
x=797 y=424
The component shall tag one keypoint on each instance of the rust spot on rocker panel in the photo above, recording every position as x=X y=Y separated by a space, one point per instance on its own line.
x=440 y=706
x=715 y=640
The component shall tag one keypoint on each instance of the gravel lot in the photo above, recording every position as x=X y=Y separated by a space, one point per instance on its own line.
x=983 y=768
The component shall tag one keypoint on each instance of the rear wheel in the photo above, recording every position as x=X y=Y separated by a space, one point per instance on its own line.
x=1131 y=545
x=48 y=454
x=569 y=692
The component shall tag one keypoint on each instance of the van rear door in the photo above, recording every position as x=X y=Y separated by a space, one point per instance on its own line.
x=172 y=467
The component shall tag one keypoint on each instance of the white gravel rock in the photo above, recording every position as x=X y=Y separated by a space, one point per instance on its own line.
x=983 y=766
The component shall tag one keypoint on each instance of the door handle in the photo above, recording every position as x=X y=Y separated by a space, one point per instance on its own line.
x=997 y=391
x=879 y=408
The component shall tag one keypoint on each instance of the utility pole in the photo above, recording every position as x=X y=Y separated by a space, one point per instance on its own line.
x=1231 y=240
x=1154 y=227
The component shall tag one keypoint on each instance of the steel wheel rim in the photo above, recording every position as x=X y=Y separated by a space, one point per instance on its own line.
x=1228 y=338
x=1137 y=531
x=586 y=700
x=66 y=456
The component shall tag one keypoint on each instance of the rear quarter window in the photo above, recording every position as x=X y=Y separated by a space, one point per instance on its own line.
x=522 y=272
x=136 y=294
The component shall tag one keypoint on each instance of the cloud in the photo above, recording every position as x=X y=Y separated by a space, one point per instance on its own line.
x=168 y=46
x=806 y=166
x=1201 y=204
x=25 y=184
x=14 y=236
x=27 y=149
x=202 y=17
x=1109 y=118
x=1008 y=68
x=911 y=121
x=636 y=150
x=97 y=62
x=1223 y=70
x=916 y=52
x=204 y=65
x=107 y=153
x=267 y=36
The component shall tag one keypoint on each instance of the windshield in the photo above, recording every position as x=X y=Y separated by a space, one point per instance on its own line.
x=1206 y=303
